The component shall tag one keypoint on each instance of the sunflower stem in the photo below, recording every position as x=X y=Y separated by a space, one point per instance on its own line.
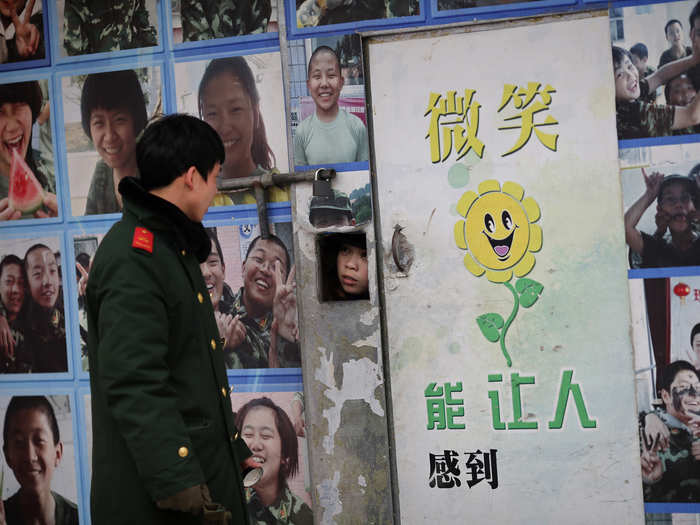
x=516 y=304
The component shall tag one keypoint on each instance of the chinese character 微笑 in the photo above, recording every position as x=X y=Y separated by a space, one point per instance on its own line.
x=442 y=411
x=459 y=119
x=523 y=99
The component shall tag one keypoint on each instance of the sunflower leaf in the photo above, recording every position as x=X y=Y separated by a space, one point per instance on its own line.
x=490 y=325
x=529 y=291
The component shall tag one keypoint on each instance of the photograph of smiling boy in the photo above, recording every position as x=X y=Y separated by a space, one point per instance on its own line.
x=98 y=26
x=253 y=300
x=103 y=114
x=23 y=116
x=659 y=188
x=241 y=98
x=21 y=30
x=330 y=134
x=38 y=330
x=268 y=423
x=38 y=447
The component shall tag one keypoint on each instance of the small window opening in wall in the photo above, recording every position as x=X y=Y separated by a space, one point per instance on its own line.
x=343 y=267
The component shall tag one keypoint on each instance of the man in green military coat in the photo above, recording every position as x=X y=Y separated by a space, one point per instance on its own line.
x=164 y=440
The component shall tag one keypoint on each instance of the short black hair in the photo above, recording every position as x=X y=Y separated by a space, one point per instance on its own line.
x=667 y=87
x=618 y=54
x=277 y=241
x=35 y=247
x=640 y=50
x=113 y=90
x=695 y=331
x=670 y=23
x=290 y=447
x=237 y=66
x=211 y=232
x=695 y=13
x=38 y=403
x=669 y=373
x=171 y=145
x=10 y=259
x=318 y=50
x=675 y=178
x=23 y=92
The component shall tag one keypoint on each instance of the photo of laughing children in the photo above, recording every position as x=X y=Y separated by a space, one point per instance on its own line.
x=330 y=134
x=675 y=196
x=23 y=154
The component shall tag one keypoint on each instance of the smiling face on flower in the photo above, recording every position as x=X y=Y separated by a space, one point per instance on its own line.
x=497 y=231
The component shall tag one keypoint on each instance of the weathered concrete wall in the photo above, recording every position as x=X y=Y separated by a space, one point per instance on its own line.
x=345 y=398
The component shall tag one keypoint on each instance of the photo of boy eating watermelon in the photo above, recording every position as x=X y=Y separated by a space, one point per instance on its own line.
x=27 y=185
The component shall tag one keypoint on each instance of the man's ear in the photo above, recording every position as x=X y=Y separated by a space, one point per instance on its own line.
x=666 y=397
x=190 y=176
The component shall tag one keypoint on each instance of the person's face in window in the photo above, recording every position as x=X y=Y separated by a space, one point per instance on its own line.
x=15 y=132
x=258 y=275
x=227 y=107
x=678 y=204
x=263 y=439
x=112 y=132
x=626 y=80
x=12 y=289
x=30 y=450
x=214 y=271
x=352 y=269
x=42 y=273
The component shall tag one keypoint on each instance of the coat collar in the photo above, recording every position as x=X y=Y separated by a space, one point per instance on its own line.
x=160 y=214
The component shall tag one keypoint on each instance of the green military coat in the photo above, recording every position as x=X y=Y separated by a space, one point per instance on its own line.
x=161 y=413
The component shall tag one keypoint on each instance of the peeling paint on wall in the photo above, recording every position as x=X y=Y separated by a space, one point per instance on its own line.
x=329 y=498
x=361 y=377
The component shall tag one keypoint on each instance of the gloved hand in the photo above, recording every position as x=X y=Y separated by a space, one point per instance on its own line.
x=189 y=500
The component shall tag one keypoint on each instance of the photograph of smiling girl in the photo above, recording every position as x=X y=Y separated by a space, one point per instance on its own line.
x=26 y=152
x=252 y=288
x=103 y=114
x=32 y=318
x=660 y=197
x=38 y=472
x=328 y=113
x=651 y=47
x=242 y=98
x=272 y=425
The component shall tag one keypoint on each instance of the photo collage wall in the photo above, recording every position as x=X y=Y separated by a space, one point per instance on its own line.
x=79 y=83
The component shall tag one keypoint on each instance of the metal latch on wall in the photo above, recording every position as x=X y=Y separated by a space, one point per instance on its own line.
x=321 y=187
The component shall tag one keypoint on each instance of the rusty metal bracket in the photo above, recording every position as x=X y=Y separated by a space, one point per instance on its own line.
x=260 y=183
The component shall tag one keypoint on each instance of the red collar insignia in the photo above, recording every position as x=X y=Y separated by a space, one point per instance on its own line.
x=143 y=239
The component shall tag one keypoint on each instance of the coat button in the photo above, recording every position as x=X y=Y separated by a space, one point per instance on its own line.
x=213 y=344
x=223 y=391
x=183 y=452
x=183 y=252
x=200 y=297
x=235 y=436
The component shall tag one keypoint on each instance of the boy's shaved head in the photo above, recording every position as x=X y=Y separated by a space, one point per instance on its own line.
x=319 y=50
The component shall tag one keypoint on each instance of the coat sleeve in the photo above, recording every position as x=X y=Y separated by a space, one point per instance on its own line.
x=133 y=371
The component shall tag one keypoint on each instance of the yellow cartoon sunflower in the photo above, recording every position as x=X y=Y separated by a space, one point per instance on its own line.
x=498 y=231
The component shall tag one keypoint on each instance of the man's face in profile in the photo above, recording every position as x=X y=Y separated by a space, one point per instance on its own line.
x=42 y=273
